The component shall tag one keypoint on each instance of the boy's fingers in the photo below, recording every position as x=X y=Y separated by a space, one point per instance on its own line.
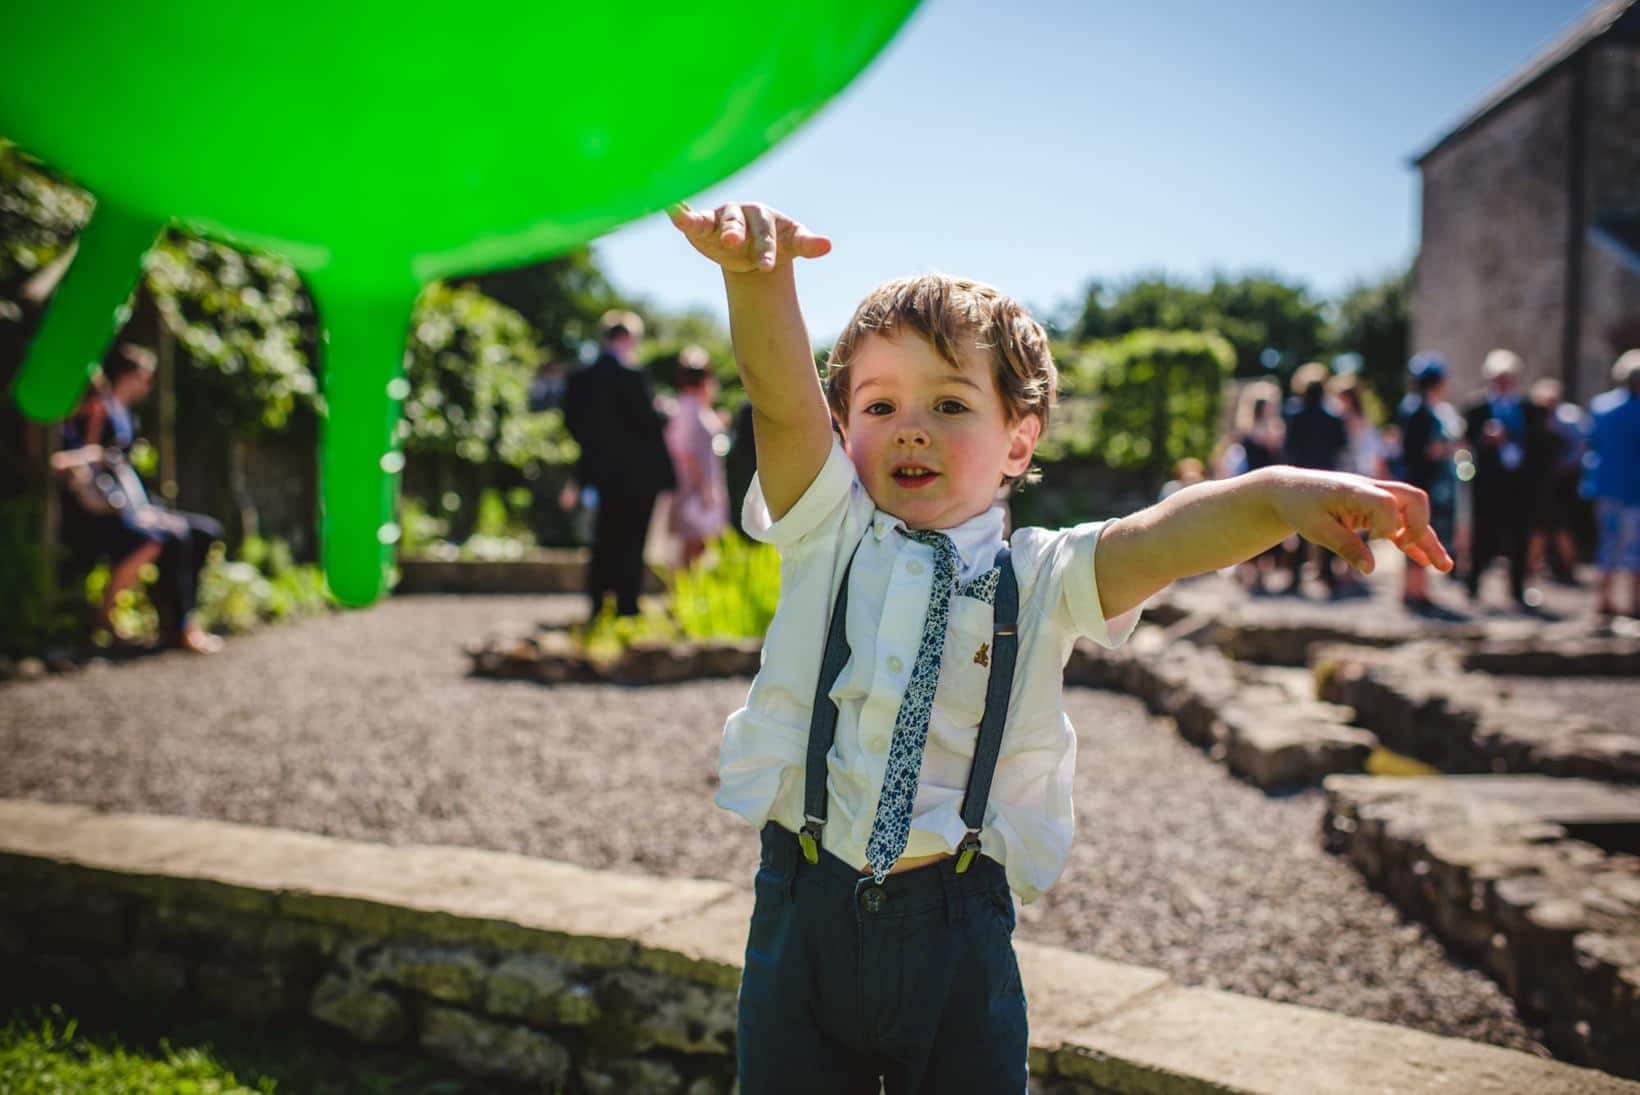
x=1412 y=549
x=760 y=229
x=689 y=221
x=1382 y=512
x=806 y=244
x=1342 y=541
x=731 y=225
x=1430 y=547
x=1415 y=536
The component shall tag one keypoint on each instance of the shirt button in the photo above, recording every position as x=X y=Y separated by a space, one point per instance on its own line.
x=894 y=664
x=913 y=567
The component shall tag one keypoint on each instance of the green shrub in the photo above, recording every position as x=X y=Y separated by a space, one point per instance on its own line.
x=1145 y=400
x=501 y=529
x=133 y=613
x=470 y=364
x=730 y=592
x=264 y=585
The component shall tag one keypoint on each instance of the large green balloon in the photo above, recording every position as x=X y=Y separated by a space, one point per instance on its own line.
x=377 y=146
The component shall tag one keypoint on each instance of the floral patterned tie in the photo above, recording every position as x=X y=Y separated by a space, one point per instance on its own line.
x=892 y=826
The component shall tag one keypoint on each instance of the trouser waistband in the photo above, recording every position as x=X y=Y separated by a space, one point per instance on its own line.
x=908 y=891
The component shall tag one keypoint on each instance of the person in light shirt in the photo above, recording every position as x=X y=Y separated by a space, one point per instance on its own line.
x=917 y=657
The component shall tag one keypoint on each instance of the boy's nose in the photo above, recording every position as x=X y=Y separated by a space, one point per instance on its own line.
x=913 y=436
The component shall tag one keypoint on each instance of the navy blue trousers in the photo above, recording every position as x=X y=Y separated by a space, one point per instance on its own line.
x=848 y=985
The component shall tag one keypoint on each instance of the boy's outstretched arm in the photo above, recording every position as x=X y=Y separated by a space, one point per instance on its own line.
x=1213 y=525
x=791 y=424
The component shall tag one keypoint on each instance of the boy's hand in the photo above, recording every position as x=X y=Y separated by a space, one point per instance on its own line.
x=749 y=238
x=1328 y=508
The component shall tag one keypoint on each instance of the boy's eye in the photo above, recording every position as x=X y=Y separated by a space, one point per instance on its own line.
x=880 y=407
x=950 y=406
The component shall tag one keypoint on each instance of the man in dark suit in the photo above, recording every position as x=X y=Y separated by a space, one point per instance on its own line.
x=1315 y=438
x=1500 y=429
x=610 y=411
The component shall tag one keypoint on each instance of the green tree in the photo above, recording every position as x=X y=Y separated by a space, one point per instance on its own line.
x=1373 y=320
x=1270 y=324
x=561 y=299
x=248 y=333
x=669 y=333
x=466 y=414
x=39 y=218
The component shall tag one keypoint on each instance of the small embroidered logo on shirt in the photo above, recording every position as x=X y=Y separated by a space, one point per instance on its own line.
x=982 y=655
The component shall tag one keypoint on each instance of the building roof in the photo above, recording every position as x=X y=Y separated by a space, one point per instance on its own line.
x=1608 y=17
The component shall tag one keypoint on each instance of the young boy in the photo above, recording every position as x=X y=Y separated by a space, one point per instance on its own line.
x=896 y=815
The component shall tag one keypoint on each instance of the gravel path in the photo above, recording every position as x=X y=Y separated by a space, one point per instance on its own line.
x=365 y=725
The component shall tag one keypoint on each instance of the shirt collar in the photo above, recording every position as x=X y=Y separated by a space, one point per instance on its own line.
x=976 y=539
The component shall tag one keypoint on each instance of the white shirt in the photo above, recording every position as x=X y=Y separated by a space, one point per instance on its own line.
x=1029 y=819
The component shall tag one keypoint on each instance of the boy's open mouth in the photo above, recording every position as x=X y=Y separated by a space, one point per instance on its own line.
x=914 y=475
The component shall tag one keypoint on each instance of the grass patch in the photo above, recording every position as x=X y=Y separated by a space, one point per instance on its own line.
x=1384 y=762
x=45 y=1052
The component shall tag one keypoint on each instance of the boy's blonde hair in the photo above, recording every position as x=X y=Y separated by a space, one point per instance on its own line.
x=952 y=314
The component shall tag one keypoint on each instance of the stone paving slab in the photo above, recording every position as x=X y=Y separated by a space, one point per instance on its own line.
x=1121 y=1028
x=1200 y=1040
x=706 y=944
x=362 y=883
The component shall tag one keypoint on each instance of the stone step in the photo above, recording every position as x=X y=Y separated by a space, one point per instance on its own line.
x=494 y=961
x=1493 y=863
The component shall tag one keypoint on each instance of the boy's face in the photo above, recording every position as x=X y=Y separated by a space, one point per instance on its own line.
x=930 y=442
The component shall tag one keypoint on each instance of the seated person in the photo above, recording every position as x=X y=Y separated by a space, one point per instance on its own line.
x=107 y=512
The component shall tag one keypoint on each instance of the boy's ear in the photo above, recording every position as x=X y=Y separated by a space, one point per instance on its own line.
x=1022 y=445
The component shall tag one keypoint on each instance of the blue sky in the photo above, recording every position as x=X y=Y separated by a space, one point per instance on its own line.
x=1036 y=144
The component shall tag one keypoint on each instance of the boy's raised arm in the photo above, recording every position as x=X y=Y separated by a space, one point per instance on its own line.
x=756 y=247
x=1213 y=525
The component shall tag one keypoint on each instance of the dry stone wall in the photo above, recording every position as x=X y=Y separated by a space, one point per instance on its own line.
x=546 y=1020
x=1263 y=723
x=540 y=976
x=1491 y=863
x=1422 y=701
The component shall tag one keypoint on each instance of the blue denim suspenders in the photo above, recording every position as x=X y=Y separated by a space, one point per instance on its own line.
x=823 y=719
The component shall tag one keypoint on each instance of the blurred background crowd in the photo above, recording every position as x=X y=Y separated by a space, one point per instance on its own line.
x=1495 y=369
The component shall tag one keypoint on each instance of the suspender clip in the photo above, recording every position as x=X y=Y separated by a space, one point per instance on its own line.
x=967 y=850
x=809 y=838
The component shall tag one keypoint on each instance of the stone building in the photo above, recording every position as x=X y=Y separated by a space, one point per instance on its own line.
x=1531 y=215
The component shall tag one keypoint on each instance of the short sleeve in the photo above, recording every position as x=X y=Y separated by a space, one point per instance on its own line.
x=1066 y=584
x=822 y=505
